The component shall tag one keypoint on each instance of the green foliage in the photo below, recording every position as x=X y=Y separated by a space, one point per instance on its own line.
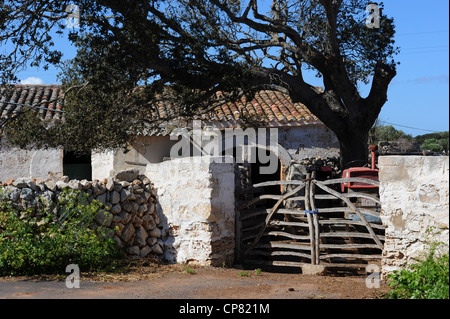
x=46 y=245
x=189 y=270
x=197 y=48
x=428 y=279
x=387 y=133
x=432 y=144
x=435 y=142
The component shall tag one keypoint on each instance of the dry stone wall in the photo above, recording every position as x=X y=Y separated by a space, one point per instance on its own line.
x=130 y=200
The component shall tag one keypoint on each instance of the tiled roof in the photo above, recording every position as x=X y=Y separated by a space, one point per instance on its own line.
x=272 y=107
x=42 y=96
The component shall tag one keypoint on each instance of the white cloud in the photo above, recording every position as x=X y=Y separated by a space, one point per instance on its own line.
x=32 y=80
x=443 y=78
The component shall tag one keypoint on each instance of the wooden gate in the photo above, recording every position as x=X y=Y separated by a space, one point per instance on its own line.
x=312 y=222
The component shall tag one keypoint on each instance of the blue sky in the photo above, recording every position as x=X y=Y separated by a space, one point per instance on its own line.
x=418 y=97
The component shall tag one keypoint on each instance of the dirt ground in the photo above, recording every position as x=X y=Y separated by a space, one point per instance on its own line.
x=158 y=281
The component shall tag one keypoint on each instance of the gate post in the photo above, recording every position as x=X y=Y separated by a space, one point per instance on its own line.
x=312 y=236
x=315 y=218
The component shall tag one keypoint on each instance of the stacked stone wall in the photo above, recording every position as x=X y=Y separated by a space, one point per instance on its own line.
x=130 y=206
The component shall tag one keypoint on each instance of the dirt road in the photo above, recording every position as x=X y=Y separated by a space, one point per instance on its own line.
x=174 y=281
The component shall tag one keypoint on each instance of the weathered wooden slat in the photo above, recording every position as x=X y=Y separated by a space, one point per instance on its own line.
x=306 y=246
x=300 y=264
x=254 y=227
x=348 y=234
x=349 y=246
x=248 y=237
x=351 y=179
x=288 y=235
x=277 y=263
x=347 y=209
x=258 y=199
x=275 y=183
x=282 y=223
x=285 y=211
x=278 y=253
x=369 y=212
x=343 y=265
x=296 y=198
x=271 y=233
x=356 y=256
x=363 y=195
x=348 y=222
x=324 y=196
x=349 y=195
x=252 y=213
x=333 y=210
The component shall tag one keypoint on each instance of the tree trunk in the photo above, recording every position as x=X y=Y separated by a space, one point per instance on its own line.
x=354 y=149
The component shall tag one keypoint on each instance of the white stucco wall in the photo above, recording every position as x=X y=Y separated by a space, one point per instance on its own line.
x=40 y=164
x=102 y=164
x=297 y=143
x=146 y=149
x=196 y=199
x=414 y=193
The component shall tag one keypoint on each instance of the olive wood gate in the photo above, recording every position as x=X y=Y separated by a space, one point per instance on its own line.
x=308 y=224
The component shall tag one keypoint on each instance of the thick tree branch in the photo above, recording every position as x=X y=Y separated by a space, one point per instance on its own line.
x=378 y=93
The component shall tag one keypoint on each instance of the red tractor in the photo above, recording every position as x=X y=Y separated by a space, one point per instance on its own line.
x=367 y=173
x=361 y=172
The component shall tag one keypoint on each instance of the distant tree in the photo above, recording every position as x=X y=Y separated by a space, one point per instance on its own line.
x=130 y=50
x=387 y=133
x=435 y=145
x=436 y=142
x=431 y=144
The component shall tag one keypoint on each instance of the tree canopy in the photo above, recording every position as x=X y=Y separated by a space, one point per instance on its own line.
x=129 y=52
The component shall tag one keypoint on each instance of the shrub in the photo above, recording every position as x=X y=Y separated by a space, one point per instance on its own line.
x=46 y=245
x=428 y=279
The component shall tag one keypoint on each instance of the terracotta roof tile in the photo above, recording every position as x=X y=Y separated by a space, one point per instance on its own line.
x=43 y=96
x=272 y=107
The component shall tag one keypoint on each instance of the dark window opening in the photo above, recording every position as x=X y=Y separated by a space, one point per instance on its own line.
x=77 y=166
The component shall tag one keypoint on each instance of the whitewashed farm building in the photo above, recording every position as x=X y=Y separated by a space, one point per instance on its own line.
x=300 y=133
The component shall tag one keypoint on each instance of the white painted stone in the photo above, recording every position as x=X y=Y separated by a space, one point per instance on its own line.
x=414 y=192
x=40 y=164
x=197 y=220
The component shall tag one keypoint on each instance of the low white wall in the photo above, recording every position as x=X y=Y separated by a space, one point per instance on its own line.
x=196 y=197
x=414 y=192
x=40 y=164
x=298 y=142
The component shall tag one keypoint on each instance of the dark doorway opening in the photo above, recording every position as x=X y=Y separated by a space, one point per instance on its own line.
x=77 y=166
x=253 y=172
x=257 y=175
